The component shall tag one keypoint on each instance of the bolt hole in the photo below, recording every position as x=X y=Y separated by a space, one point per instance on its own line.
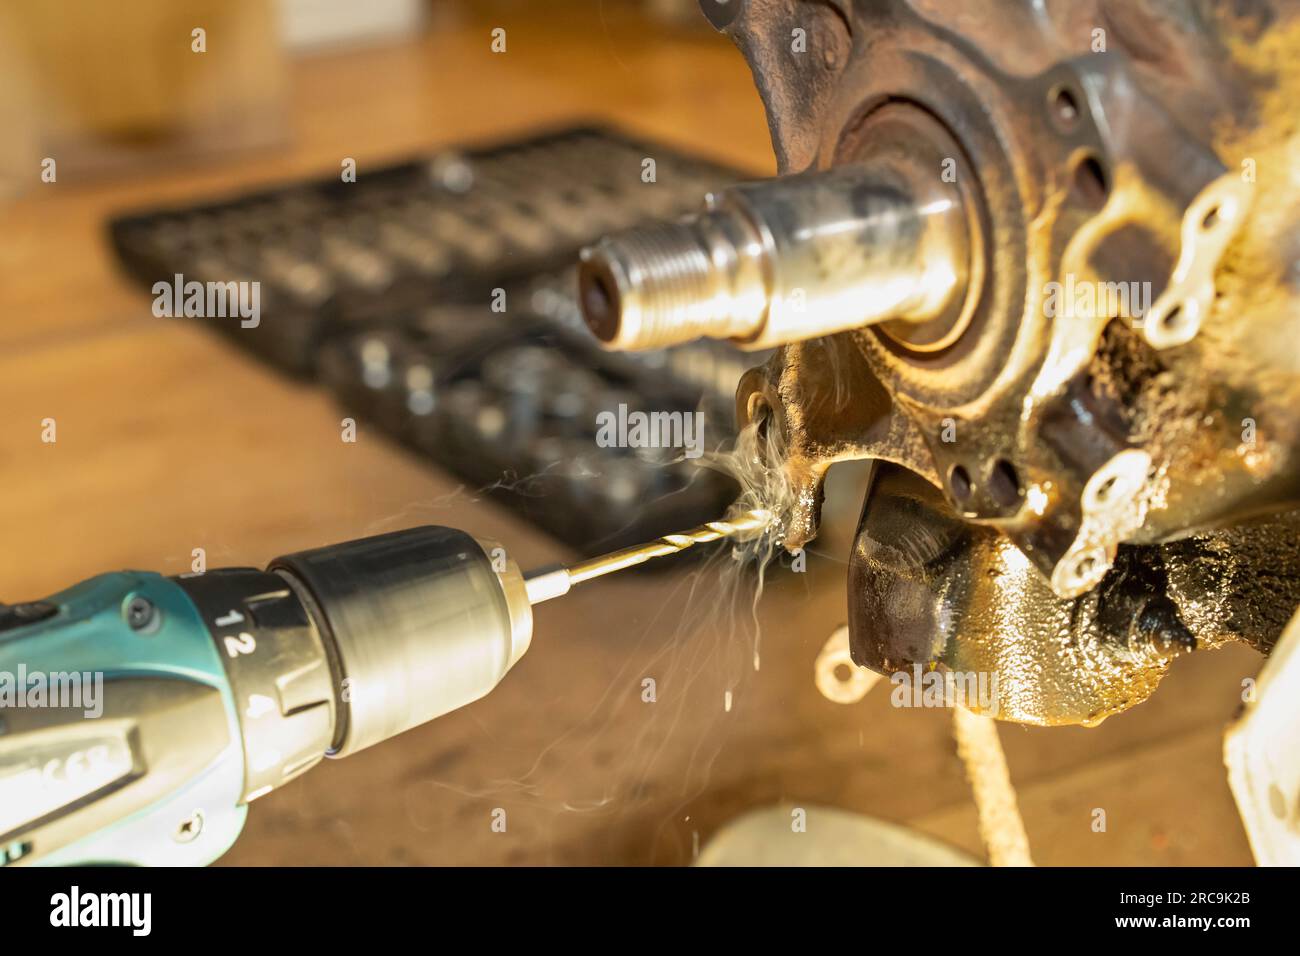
x=1211 y=218
x=1004 y=484
x=843 y=673
x=188 y=830
x=1091 y=185
x=1083 y=570
x=1173 y=319
x=1107 y=486
x=959 y=482
x=1066 y=107
x=1277 y=801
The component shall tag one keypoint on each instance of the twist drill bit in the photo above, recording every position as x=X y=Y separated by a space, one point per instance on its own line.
x=545 y=585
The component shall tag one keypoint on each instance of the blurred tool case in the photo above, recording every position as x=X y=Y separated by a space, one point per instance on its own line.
x=436 y=298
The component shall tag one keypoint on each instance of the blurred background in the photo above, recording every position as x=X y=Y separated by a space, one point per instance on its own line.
x=489 y=140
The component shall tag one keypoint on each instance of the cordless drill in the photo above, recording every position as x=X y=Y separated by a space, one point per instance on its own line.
x=141 y=714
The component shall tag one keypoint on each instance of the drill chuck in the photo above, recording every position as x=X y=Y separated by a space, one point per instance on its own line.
x=415 y=624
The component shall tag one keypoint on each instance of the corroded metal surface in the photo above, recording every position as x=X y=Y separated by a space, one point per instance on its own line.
x=927 y=587
x=1101 y=472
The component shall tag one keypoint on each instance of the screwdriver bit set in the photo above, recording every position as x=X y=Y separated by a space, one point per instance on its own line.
x=516 y=415
x=437 y=299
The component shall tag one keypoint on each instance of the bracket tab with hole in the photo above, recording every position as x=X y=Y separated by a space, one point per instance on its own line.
x=1209 y=224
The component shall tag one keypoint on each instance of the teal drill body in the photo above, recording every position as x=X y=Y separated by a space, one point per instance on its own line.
x=140 y=714
x=147 y=744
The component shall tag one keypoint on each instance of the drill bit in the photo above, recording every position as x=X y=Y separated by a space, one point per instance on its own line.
x=545 y=585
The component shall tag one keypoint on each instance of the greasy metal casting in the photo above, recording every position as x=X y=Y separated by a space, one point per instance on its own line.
x=1116 y=407
x=1118 y=383
x=930 y=588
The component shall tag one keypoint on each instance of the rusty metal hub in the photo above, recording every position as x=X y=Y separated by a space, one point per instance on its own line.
x=1047 y=255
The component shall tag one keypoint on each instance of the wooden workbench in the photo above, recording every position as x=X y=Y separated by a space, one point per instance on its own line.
x=169 y=439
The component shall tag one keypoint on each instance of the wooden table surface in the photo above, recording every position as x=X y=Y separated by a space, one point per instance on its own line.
x=170 y=439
